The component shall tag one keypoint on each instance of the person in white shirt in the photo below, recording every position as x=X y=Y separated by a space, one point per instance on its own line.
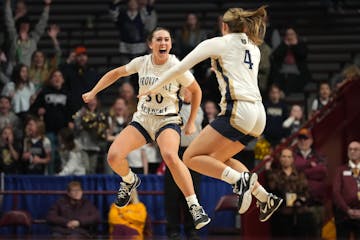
x=157 y=119
x=235 y=59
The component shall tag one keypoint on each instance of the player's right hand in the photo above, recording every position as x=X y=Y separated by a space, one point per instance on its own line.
x=87 y=97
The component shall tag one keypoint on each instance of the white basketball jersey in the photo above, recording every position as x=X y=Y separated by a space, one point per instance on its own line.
x=235 y=60
x=167 y=100
x=237 y=69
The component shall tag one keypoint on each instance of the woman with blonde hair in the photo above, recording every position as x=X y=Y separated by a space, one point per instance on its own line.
x=128 y=221
x=235 y=59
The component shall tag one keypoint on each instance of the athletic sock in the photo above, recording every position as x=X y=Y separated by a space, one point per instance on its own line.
x=192 y=200
x=261 y=194
x=129 y=178
x=231 y=176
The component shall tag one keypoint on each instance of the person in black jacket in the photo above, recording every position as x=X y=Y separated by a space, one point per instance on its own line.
x=79 y=78
x=52 y=106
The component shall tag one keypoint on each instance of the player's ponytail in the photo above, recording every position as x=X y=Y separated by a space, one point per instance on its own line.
x=250 y=22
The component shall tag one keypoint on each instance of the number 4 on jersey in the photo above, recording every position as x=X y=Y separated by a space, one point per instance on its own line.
x=247 y=59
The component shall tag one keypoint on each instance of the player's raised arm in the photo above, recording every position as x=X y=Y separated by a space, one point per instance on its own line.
x=202 y=51
x=109 y=78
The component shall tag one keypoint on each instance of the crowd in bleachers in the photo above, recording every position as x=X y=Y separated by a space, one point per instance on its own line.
x=46 y=128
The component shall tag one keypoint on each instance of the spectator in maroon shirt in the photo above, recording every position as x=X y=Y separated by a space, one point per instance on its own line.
x=346 y=195
x=73 y=217
x=308 y=161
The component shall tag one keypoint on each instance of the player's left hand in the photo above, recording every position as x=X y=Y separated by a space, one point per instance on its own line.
x=189 y=128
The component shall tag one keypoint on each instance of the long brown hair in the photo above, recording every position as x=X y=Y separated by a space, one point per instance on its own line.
x=250 y=22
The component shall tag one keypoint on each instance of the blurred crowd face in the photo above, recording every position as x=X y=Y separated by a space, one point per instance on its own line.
x=296 y=112
x=24 y=73
x=119 y=107
x=82 y=59
x=160 y=45
x=5 y=105
x=31 y=129
x=210 y=109
x=274 y=94
x=304 y=143
x=20 y=8
x=7 y=135
x=286 y=158
x=24 y=28
x=354 y=152
x=290 y=35
x=39 y=59
x=75 y=192
x=324 y=91
x=132 y=5
x=127 y=91
x=142 y=3
x=191 y=20
x=57 y=80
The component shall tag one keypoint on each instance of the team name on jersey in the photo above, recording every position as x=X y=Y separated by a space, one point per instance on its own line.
x=153 y=111
x=150 y=80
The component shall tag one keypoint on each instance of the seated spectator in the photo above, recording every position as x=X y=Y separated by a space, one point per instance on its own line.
x=309 y=161
x=289 y=65
x=346 y=195
x=9 y=118
x=9 y=151
x=323 y=97
x=293 y=219
x=37 y=148
x=276 y=112
x=73 y=160
x=128 y=222
x=72 y=216
x=293 y=123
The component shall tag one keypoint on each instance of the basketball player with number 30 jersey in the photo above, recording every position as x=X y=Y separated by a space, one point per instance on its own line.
x=157 y=119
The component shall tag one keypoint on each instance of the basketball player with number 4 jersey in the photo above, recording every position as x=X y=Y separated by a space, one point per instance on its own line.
x=157 y=119
x=235 y=59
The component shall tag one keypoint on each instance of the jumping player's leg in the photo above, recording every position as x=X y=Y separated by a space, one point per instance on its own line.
x=210 y=154
x=128 y=140
x=169 y=141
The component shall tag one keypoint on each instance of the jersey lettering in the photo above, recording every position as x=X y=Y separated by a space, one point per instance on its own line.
x=247 y=59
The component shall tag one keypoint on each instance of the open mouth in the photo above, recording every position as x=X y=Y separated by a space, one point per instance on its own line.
x=162 y=51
